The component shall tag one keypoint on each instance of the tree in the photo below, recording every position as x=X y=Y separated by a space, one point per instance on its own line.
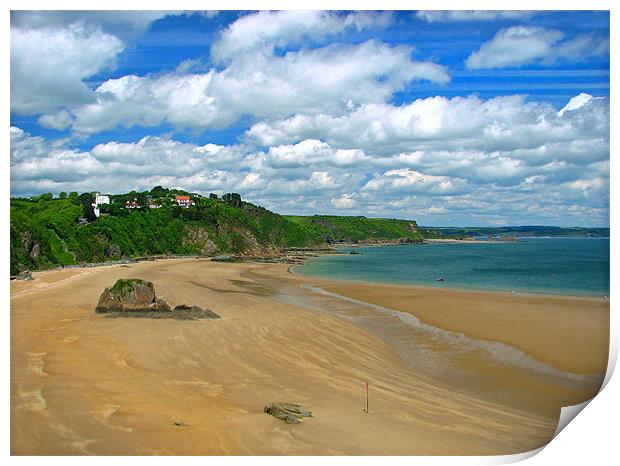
x=158 y=191
x=85 y=198
x=88 y=212
x=45 y=197
x=62 y=195
x=233 y=199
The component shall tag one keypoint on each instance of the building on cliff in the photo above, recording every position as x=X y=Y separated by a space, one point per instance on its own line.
x=184 y=201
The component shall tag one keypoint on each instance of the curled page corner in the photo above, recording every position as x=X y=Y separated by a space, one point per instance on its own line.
x=567 y=414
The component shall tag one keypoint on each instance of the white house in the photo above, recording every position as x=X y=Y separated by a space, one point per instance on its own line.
x=99 y=199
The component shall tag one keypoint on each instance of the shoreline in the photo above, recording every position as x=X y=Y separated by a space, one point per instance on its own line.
x=452 y=310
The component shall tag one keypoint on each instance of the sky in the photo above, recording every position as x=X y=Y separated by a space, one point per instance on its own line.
x=451 y=118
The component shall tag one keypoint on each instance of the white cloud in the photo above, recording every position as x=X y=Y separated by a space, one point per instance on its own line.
x=343 y=202
x=576 y=103
x=269 y=29
x=48 y=65
x=406 y=180
x=557 y=184
x=519 y=45
x=120 y=23
x=53 y=52
x=433 y=16
x=438 y=123
x=60 y=120
x=329 y=79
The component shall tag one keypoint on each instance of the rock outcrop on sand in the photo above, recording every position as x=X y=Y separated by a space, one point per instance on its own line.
x=131 y=295
x=25 y=275
x=136 y=298
x=196 y=311
x=288 y=412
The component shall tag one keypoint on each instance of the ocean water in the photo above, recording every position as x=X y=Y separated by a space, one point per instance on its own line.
x=574 y=266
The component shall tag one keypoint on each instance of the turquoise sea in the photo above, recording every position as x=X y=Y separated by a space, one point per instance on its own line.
x=575 y=266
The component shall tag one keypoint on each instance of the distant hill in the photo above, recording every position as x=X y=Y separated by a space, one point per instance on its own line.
x=515 y=231
x=338 y=229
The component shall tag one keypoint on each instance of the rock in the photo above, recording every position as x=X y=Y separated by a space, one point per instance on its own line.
x=131 y=295
x=208 y=248
x=35 y=251
x=288 y=412
x=112 y=250
x=26 y=275
x=196 y=311
x=223 y=258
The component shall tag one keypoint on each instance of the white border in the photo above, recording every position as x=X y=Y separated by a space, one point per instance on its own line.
x=591 y=438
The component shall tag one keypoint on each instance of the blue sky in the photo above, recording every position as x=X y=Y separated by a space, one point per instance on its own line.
x=450 y=118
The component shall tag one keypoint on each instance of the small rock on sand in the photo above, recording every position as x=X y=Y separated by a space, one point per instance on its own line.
x=288 y=412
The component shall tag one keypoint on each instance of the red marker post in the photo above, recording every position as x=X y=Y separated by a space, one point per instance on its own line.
x=366 y=410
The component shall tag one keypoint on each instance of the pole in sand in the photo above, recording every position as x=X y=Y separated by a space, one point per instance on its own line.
x=366 y=410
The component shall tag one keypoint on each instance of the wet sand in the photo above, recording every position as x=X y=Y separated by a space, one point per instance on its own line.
x=82 y=383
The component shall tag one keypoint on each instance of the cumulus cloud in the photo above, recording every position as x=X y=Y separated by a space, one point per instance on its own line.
x=437 y=171
x=439 y=123
x=409 y=181
x=329 y=79
x=120 y=23
x=48 y=65
x=53 y=52
x=519 y=45
x=269 y=29
x=343 y=202
x=433 y=16
x=61 y=120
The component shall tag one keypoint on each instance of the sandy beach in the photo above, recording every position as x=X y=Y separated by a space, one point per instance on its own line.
x=82 y=383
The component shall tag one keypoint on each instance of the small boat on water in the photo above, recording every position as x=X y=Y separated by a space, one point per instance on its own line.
x=440 y=279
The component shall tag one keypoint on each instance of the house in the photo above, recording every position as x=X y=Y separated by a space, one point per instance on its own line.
x=184 y=201
x=154 y=206
x=99 y=199
x=132 y=204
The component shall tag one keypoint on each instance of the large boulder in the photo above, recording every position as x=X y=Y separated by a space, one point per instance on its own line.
x=131 y=295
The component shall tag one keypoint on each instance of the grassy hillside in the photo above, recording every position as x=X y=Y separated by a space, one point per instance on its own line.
x=47 y=232
x=353 y=229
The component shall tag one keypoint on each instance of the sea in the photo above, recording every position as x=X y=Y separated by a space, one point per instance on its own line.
x=569 y=266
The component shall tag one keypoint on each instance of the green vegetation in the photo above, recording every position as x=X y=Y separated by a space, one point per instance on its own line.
x=47 y=232
x=353 y=229
x=123 y=287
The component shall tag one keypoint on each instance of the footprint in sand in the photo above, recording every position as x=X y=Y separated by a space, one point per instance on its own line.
x=211 y=389
x=34 y=401
x=36 y=362
x=105 y=413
